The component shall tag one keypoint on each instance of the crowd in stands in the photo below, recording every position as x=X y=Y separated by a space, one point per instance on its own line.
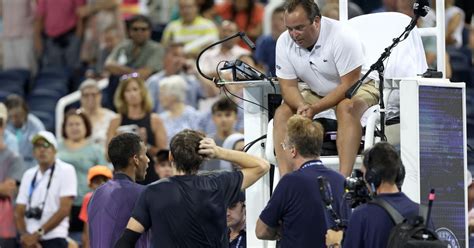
x=147 y=50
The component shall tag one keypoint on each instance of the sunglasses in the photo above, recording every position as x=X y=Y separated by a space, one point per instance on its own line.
x=128 y=76
x=43 y=145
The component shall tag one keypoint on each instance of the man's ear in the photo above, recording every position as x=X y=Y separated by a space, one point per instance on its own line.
x=136 y=159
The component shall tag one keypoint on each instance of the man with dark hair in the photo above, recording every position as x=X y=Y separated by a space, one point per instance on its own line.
x=370 y=224
x=194 y=213
x=236 y=223
x=295 y=211
x=111 y=205
x=327 y=56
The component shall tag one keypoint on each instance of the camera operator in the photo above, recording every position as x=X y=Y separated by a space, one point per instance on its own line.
x=296 y=206
x=370 y=224
x=45 y=197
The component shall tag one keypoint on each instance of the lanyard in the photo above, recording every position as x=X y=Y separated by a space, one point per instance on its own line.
x=34 y=184
x=311 y=163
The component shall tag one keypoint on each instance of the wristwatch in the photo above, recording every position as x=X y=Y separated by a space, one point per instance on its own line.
x=40 y=232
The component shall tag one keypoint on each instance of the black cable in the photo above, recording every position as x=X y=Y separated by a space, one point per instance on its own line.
x=241 y=98
x=251 y=143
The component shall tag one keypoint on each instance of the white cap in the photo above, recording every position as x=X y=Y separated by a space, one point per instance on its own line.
x=48 y=136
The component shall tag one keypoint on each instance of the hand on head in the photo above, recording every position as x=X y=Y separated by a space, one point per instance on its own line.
x=208 y=148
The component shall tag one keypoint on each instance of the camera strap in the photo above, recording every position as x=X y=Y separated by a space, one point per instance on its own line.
x=33 y=186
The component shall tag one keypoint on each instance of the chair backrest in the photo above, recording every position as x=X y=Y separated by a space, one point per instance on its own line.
x=377 y=32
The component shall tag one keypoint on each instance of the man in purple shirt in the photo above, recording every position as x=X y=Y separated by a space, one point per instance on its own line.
x=111 y=206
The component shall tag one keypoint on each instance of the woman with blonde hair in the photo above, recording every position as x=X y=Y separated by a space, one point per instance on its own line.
x=134 y=109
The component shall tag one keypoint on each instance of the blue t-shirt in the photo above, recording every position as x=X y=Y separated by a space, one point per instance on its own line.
x=370 y=225
x=265 y=53
x=190 y=210
x=297 y=203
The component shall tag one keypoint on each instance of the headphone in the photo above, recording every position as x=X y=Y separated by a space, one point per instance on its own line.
x=373 y=177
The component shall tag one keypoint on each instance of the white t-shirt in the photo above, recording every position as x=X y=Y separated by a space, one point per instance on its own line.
x=63 y=183
x=337 y=52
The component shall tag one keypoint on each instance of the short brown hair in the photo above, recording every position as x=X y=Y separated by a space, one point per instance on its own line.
x=184 y=147
x=85 y=119
x=305 y=135
x=119 y=99
x=309 y=6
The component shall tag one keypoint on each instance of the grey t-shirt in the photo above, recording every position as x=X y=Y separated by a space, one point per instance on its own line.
x=11 y=165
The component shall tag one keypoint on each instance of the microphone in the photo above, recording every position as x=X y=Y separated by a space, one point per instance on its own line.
x=247 y=40
x=431 y=198
x=421 y=8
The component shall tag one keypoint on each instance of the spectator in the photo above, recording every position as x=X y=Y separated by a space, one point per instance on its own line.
x=111 y=205
x=160 y=13
x=58 y=32
x=227 y=51
x=177 y=116
x=370 y=225
x=236 y=223
x=45 y=197
x=224 y=116
x=177 y=64
x=247 y=14
x=96 y=176
x=11 y=171
x=265 y=47
x=8 y=137
x=454 y=24
x=109 y=39
x=296 y=205
x=91 y=99
x=162 y=164
x=191 y=29
x=77 y=150
x=23 y=125
x=135 y=114
x=17 y=35
x=234 y=142
x=194 y=212
x=98 y=16
x=139 y=54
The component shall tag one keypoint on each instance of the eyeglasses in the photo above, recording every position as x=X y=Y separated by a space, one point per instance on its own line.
x=128 y=76
x=42 y=144
x=136 y=29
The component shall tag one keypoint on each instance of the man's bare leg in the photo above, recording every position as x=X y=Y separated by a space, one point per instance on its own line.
x=349 y=132
x=282 y=114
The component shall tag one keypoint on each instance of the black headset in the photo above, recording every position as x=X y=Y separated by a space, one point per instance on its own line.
x=373 y=177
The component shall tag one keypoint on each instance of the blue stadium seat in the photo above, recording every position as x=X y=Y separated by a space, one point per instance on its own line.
x=47 y=118
x=14 y=81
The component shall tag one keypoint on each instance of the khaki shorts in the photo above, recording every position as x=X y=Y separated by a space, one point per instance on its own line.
x=367 y=92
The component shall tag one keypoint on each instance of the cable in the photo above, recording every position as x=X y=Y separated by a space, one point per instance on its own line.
x=251 y=143
x=243 y=99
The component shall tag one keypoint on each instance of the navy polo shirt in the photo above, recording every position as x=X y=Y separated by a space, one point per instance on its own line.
x=110 y=209
x=297 y=203
x=370 y=225
x=190 y=210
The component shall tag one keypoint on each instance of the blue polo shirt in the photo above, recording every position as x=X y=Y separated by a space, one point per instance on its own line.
x=297 y=203
x=110 y=209
x=370 y=225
